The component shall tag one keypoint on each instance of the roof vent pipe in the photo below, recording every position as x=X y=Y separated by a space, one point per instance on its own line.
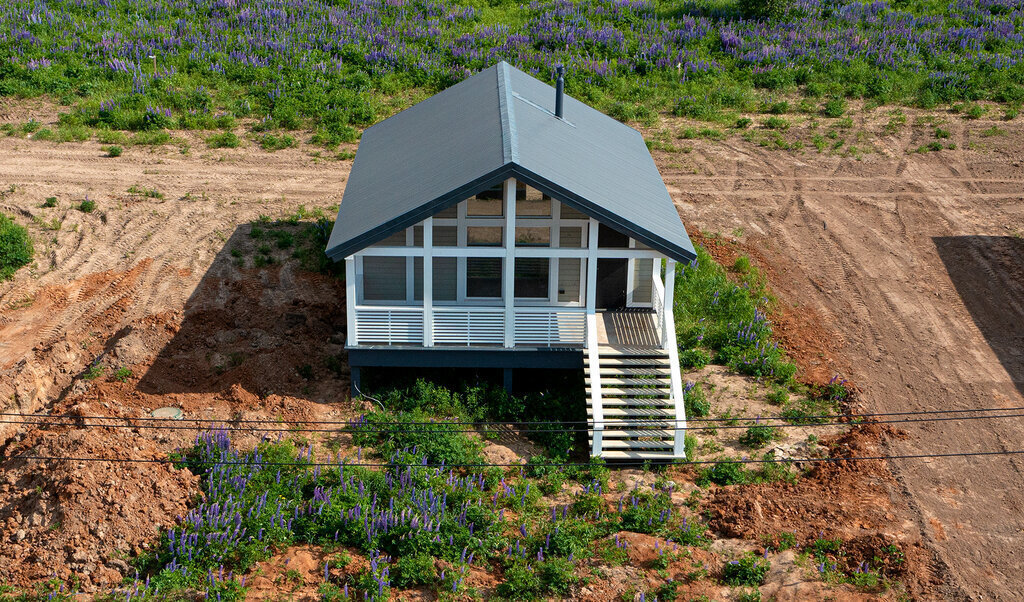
x=559 y=88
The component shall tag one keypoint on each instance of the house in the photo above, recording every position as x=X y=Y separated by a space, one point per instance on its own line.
x=502 y=224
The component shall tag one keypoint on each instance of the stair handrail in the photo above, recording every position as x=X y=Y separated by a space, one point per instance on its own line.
x=596 y=404
x=675 y=376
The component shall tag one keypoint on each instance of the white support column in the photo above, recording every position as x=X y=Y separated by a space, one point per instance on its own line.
x=350 y=300
x=670 y=287
x=592 y=266
x=510 y=262
x=630 y=275
x=593 y=355
x=428 y=282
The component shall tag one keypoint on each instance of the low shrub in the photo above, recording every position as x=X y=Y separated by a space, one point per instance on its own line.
x=15 y=247
x=760 y=435
x=438 y=441
x=695 y=358
x=696 y=401
x=834 y=108
x=87 y=206
x=114 y=151
x=223 y=140
x=750 y=569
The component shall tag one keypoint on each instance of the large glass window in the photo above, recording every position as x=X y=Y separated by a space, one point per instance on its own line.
x=484 y=236
x=533 y=237
x=483 y=277
x=531 y=278
x=569 y=276
x=384 y=278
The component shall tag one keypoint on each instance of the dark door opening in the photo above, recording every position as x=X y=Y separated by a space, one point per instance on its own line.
x=611 y=283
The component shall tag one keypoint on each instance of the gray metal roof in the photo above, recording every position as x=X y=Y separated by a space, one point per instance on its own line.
x=495 y=125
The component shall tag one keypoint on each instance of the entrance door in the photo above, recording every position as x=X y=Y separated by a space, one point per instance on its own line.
x=611 y=283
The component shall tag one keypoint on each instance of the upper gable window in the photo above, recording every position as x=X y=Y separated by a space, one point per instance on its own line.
x=531 y=202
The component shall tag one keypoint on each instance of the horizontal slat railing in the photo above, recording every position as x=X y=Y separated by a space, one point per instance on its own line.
x=389 y=325
x=476 y=326
x=547 y=327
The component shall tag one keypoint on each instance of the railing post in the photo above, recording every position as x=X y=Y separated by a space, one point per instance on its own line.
x=596 y=403
x=428 y=282
x=350 y=300
x=510 y=262
x=670 y=286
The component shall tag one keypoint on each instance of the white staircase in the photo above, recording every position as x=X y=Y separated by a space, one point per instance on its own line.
x=635 y=392
x=640 y=418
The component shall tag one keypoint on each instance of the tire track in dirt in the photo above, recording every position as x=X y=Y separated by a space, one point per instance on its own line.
x=876 y=274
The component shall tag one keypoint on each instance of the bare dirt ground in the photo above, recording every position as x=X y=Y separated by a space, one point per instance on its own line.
x=902 y=271
x=916 y=261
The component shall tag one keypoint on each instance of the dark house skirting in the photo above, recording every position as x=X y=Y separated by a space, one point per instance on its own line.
x=447 y=357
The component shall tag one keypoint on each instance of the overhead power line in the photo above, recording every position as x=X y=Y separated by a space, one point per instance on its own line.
x=503 y=422
x=657 y=423
x=503 y=465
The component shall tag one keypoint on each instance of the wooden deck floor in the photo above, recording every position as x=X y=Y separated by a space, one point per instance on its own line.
x=628 y=327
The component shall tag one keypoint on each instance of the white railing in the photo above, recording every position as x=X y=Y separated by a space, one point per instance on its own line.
x=469 y=326
x=596 y=395
x=389 y=325
x=658 y=300
x=547 y=327
x=532 y=326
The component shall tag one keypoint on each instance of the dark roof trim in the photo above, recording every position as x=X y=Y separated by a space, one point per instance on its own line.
x=604 y=216
x=419 y=214
x=499 y=175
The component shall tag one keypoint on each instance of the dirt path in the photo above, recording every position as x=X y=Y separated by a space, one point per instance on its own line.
x=917 y=261
x=913 y=259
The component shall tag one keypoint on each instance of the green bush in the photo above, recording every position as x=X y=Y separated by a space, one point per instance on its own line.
x=414 y=570
x=750 y=569
x=778 y=396
x=834 y=108
x=271 y=142
x=764 y=9
x=437 y=440
x=775 y=123
x=695 y=358
x=223 y=140
x=696 y=401
x=724 y=473
x=87 y=206
x=15 y=247
x=114 y=151
x=760 y=435
x=521 y=583
x=51 y=201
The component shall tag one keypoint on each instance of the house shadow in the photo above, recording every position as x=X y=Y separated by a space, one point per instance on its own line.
x=263 y=318
x=988 y=273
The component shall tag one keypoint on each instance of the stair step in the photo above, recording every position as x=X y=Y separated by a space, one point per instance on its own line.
x=634 y=402
x=619 y=371
x=616 y=454
x=631 y=352
x=623 y=360
x=611 y=381
x=607 y=392
x=621 y=444
x=634 y=412
x=632 y=434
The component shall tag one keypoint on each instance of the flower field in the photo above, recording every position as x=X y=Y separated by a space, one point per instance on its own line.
x=172 y=63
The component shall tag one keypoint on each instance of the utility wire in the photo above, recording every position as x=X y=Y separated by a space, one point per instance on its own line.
x=501 y=422
x=652 y=461
x=656 y=423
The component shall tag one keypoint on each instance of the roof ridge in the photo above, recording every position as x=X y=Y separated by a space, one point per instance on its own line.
x=506 y=111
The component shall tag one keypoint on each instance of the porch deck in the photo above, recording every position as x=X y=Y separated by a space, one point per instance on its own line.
x=628 y=328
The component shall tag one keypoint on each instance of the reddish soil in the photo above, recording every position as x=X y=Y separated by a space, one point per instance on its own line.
x=910 y=268
x=902 y=272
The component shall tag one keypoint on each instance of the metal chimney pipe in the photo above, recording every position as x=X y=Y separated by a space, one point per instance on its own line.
x=559 y=89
